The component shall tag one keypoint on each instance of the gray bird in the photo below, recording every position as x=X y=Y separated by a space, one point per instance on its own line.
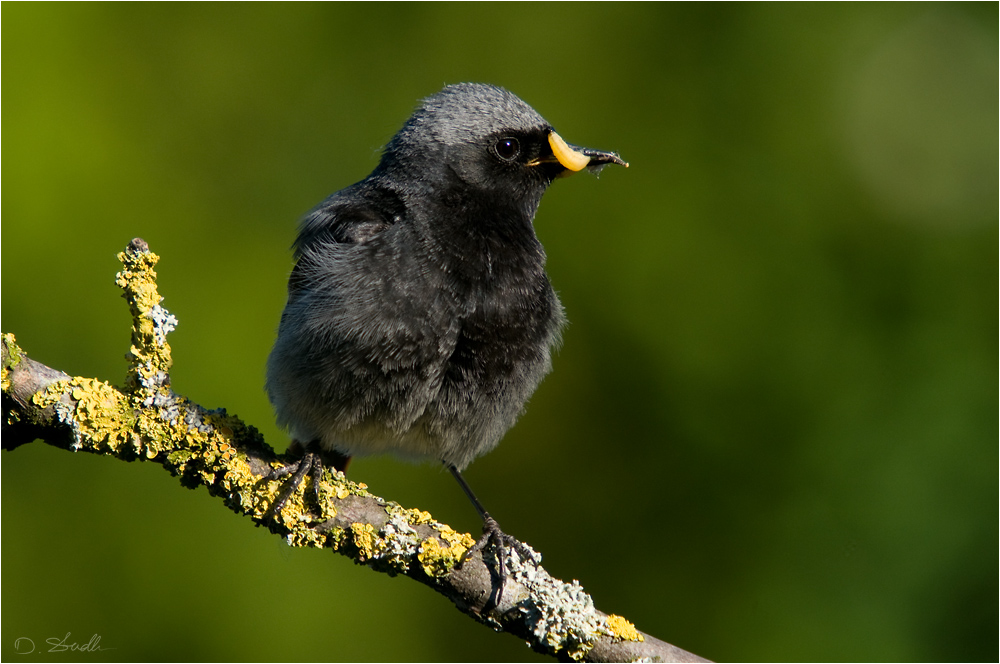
x=419 y=318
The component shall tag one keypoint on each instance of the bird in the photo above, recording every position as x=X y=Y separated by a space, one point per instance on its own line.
x=419 y=317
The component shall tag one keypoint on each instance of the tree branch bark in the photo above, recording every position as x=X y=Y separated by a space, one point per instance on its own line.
x=145 y=420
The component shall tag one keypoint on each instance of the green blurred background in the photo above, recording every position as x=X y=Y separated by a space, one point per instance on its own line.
x=771 y=433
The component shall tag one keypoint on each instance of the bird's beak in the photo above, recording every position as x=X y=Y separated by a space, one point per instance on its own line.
x=574 y=158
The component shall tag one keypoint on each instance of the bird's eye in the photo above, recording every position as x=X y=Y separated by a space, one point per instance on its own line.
x=507 y=148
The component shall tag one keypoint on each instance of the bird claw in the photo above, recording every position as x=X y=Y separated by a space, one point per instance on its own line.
x=310 y=464
x=501 y=543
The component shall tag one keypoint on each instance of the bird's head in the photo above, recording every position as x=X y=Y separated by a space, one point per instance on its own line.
x=488 y=139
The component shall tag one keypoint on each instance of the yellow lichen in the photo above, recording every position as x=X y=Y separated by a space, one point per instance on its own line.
x=365 y=539
x=238 y=473
x=336 y=538
x=102 y=415
x=306 y=537
x=623 y=629
x=438 y=560
x=14 y=355
x=50 y=395
x=180 y=459
x=459 y=542
x=416 y=517
x=434 y=558
x=150 y=355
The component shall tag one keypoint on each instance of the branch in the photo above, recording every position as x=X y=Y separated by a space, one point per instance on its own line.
x=145 y=420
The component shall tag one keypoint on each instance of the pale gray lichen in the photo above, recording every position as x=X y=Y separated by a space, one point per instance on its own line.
x=164 y=323
x=195 y=415
x=155 y=383
x=402 y=541
x=64 y=414
x=561 y=615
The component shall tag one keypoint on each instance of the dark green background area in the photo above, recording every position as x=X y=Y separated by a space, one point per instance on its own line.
x=771 y=433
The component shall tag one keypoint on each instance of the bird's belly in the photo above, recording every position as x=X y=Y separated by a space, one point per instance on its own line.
x=372 y=437
x=453 y=414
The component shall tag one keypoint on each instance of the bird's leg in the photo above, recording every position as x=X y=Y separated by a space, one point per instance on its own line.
x=311 y=463
x=492 y=534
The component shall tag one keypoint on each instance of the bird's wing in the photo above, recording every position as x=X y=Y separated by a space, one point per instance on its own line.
x=352 y=215
x=368 y=323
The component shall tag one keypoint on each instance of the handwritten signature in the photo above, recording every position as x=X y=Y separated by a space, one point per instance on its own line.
x=24 y=645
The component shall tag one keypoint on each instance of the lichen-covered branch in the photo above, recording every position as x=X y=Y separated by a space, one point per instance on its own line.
x=145 y=420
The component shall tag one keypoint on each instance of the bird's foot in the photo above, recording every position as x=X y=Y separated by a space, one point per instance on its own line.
x=502 y=544
x=311 y=463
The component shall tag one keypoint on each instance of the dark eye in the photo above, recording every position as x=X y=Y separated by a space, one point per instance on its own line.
x=507 y=148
